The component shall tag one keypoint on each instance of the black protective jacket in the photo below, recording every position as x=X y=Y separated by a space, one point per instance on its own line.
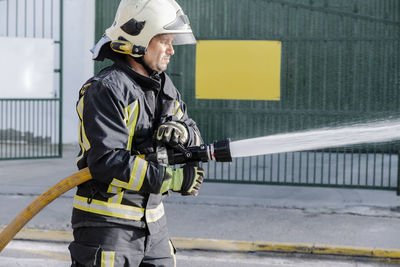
x=119 y=111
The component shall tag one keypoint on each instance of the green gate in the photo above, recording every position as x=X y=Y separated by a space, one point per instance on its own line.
x=32 y=127
x=340 y=64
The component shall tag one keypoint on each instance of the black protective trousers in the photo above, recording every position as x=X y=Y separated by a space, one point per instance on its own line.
x=121 y=247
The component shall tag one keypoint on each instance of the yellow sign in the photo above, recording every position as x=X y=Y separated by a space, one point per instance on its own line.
x=242 y=70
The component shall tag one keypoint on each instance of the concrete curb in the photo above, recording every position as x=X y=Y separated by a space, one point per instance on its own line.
x=393 y=255
x=386 y=254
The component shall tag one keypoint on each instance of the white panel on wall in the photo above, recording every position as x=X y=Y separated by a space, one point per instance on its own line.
x=26 y=67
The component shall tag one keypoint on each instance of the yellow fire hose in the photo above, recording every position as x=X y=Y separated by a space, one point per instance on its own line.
x=40 y=202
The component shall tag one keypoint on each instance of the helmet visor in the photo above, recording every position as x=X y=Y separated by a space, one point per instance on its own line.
x=181 y=28
x=184 y=38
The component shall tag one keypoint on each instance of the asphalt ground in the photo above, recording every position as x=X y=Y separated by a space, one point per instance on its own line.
x=232 y=218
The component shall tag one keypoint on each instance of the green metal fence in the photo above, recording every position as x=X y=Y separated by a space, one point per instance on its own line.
x=32 y=127
x=340 y=64
x=374 y=170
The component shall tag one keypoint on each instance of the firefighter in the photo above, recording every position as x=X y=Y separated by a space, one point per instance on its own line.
x=125 y=111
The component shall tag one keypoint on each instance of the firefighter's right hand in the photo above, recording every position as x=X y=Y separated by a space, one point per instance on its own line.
x=186 y=180
x=172 y=133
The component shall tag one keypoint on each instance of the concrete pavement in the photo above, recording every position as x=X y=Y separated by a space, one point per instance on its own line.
x=230 y=217
x=50 y=254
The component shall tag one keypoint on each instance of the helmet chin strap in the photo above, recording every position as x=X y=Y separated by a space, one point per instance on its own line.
x=152 y=73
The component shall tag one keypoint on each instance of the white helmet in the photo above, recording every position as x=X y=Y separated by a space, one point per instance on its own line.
x=138 y=21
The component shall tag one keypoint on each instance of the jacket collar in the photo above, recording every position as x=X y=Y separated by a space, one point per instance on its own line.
x=147 y=83
x=161 y=81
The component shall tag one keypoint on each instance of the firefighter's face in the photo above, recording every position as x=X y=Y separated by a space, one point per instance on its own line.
x=159 y=51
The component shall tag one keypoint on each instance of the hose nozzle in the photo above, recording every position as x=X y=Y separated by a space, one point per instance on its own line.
x=218 y=151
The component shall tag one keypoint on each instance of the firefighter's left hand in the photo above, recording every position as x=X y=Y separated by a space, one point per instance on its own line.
x=172 y=133
x=193 y=178
x=186 y=180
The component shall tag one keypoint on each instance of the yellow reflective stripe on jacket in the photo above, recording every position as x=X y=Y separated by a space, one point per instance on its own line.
x=107 y=258
x=137 y=176
x=153 y=215
x=177 y=110
x=82 y=152
x=112 y=189
x=117 y=183
x=85 y=142
x=109 y=209
x=131 y=115
x=119 y=194
x=118 y=210
x=84 y=87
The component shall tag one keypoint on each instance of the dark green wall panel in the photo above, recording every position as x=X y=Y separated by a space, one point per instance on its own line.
x=340 y=62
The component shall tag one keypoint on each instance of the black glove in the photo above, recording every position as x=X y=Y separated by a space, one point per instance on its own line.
x=172 y=133
x=193 y=178
x=186 y=180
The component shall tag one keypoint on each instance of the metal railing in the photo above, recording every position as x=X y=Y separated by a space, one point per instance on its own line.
x=32 y=127
x=354 y=169
x=29 y=128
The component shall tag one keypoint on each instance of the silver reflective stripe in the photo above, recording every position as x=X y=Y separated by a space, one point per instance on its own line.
x=118 y=210
x=132 y=112
x=117 y=183
x=109 y=209
x=137 y=176
x=107 y=258
x=112 y=189
x=179 y=114
x=84 y=138
x=117 y=198
x=139 y=173
x=197 y=139
x=153 y=215
x=178 y=111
